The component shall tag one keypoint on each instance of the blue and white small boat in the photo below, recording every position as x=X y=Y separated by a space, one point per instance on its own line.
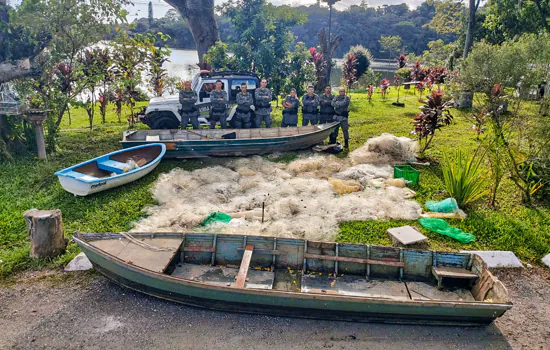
x=111 y=170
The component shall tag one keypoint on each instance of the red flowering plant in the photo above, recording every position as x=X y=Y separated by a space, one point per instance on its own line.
x=318 y=62
x=370 y=91
x=350 y=70
x=401 y=61
x=479 y=120
x=433 y=115
x=384 y=85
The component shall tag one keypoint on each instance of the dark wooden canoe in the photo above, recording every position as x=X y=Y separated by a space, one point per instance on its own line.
x=292 y=277
x=230 y=142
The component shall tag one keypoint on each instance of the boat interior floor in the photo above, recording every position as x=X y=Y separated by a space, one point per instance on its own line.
x=346 y=285
x=166 y=259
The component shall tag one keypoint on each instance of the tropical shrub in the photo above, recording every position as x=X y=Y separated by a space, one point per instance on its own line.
x=464 y=178
x=363 y=59
x=350 y=71
x=433 y=115
x=384 y=85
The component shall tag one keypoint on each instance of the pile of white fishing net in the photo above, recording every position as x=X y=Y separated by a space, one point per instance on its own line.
x=306 y=198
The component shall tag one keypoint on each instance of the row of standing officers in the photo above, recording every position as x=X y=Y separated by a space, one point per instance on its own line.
x=315 y=109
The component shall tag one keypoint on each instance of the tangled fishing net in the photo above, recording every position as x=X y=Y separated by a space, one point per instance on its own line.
x=306 y=198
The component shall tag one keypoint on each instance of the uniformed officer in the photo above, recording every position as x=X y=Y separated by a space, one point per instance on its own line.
x=310 y=107
x=341 y=114
x=327 y=111
x=245 y=103
x=189 y=110
x=290 y=111
x=263 y=105
x=218 y=113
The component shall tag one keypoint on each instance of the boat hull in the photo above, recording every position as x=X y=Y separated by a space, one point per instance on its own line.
x=110 y=170
x=281 y=303
x=237 y=147
x=79 y=188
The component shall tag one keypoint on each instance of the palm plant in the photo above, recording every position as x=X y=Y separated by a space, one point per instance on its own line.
x=463 y=177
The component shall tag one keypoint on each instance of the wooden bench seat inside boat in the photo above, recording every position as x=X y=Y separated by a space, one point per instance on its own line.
x=112 y=166
x=223 y=276
x=143 y=257
x=440 y=273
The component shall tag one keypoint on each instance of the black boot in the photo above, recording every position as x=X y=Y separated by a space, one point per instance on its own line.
x=346 y=144
x=332 y=141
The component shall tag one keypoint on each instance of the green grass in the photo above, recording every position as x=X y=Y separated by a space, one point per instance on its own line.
x=29 y=183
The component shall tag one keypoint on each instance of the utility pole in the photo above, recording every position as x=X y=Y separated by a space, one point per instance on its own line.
x=330 y=4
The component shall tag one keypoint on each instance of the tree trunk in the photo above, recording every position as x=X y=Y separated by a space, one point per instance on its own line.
x=472 y=8
x=327 y=50
x=202 y=22
x=45 y=232
x=12 y=71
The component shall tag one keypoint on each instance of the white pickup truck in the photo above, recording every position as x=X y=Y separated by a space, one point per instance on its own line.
x=164 y=112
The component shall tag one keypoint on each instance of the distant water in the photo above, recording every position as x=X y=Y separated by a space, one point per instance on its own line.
x=183 y=64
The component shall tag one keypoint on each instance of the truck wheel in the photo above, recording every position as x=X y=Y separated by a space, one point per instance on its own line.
x=164 y=120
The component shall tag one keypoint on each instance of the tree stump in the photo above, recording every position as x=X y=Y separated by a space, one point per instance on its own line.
x=45 y=233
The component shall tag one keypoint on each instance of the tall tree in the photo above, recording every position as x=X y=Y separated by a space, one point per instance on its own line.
x=38 y=29
x=150 y=14
x=391 y=44
x=202 y=22
x=472 y=9
x=327 y=48
x=263 y=38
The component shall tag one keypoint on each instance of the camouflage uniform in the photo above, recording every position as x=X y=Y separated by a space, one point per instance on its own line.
x=189 y=112
x=218 y=113
x=263 y=107
x=242 y=117
x=341 y=105
x=290 y=115
x=327 y=111
x=310 y=109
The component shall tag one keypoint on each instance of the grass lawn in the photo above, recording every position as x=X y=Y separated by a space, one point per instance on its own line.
x=29 y=183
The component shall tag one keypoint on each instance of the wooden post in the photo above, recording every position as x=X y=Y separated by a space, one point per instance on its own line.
x=37 y=119
x=45 y=233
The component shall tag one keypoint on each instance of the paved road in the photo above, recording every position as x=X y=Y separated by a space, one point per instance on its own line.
x=97 y=314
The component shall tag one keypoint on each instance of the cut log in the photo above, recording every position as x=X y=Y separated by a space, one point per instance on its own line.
x=45 y=233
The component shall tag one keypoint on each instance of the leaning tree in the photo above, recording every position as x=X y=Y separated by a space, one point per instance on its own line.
x=202 y=22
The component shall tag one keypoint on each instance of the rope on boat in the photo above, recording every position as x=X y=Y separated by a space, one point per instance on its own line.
x=145 y=245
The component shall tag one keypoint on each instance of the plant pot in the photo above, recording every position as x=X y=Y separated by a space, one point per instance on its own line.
x=465 y=100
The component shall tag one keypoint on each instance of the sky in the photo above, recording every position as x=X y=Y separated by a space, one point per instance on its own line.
x=160 y=7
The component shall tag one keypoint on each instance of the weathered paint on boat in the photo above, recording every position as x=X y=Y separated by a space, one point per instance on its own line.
x=208 y=143
x=107 y=171
x=286 y=303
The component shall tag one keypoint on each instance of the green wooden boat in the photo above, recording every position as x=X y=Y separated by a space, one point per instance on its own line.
x=293 y=277
x=230 y=142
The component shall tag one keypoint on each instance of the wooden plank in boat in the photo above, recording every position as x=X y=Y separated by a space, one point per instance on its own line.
x=355 y=260
x=149 y=259
x=245 y=264
x=266 y=133
x=110 y=246
x=287 y=132
x=152 y=138
x=425 y=291
x=223 y=276
x=199 y=249
x=453 y=272
x=354 y=286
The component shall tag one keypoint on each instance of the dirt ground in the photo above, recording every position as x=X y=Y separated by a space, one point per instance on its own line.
x=83 y=310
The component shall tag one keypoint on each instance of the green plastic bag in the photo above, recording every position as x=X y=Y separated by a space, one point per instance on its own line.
x=442 y=227
x=448 y=205
x=216 y=217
